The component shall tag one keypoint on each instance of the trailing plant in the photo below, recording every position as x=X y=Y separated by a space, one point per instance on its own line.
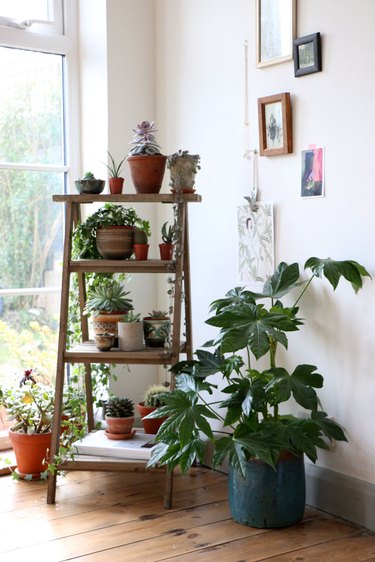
x=113 y=167
x=144 y=140
x=119 y=407
x=250 y=412
x=84 y=235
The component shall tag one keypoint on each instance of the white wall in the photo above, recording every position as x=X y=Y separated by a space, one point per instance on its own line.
x=200 y=106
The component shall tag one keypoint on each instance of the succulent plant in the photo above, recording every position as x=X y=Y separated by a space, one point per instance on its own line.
x=117 y=407
x=144 y=140
x=88 y=176
x=114 y=168
x=168 y=233
x=131 y=317
x=153 y=397
x=108 y=297
x=158 y=315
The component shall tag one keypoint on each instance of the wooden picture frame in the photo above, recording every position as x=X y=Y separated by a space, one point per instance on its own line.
x=275 y=31
x=307 y=54
x=275 y=125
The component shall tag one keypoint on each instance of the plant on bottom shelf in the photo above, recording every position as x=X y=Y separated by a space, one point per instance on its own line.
x=251 y=418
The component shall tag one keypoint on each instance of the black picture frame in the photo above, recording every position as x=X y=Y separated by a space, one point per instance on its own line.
x=307 y=54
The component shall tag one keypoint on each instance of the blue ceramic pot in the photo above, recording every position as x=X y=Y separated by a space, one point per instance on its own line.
x=268 y=498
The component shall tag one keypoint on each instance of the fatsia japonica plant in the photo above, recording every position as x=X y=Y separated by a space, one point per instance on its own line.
x=252 y=423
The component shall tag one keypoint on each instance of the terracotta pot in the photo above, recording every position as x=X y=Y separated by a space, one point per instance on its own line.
x=166 y=251
x=147 y=172
x=115 y=242
x=130 y=336
x=122 y=427
x=116 y=185
x=141 y=251
x=107 y=322
x=30 y=451
x=149 y=425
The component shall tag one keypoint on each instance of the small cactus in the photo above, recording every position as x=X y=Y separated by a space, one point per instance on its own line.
x=153 y=397
x=119 y=407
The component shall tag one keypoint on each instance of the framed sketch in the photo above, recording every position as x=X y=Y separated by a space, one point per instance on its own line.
x=307 y=54
x=275 y=125
x=276 y=29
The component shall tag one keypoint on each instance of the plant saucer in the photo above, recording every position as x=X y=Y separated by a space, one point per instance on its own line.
x=120 y=436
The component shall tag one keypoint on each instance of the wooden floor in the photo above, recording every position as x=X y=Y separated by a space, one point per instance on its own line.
x=119 y=517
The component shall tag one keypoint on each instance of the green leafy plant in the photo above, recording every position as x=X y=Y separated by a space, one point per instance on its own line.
x=144 y=139
x=110 y=296
x=168 y=233
x=250 y=412
x=119 y=407
x=84 y=235
x=113 y=167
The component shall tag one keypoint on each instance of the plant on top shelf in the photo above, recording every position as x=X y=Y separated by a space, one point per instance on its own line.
x=183 y=168
x=85 y=235
x=119 y=417
x=89 y=184
x=116 y=181
x=250 y=412
x=147 y=164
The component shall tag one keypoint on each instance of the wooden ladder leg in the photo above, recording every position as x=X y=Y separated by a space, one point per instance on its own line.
x=60 y=369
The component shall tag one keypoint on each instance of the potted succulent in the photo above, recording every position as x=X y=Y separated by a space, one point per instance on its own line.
x=152 y=399
x=119 y=417
x=107 y=303
x=116 y=181
x=157 y=328
x=265 y=447
x=147 y=164
x=183 y=168
x=108 y=233
x=168 y=236
x=89 y=184
x=130 y=332
x=31 y=406
x=141 y=236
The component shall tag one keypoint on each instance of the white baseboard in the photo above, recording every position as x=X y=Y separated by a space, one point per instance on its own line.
x=341 y=495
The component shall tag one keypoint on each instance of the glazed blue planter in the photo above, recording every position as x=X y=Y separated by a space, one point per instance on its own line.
x=268 y=498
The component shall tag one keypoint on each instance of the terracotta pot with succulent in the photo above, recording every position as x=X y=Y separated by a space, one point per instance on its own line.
x=264 y=447
x=183 y=168
x=130 y=332
x=152 y=399
x=116 y=181
x=89 y=184
x=108 y=233
x=147 y=164
x=141 y=235
x=107 y=303
x=157 y=328
x=119 y=418
x=168 y=236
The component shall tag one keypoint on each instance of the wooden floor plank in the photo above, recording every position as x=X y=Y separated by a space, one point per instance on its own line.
x=102 y=516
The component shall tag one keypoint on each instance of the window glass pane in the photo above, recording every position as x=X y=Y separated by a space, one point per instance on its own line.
x=24 y=9
x=31 y=107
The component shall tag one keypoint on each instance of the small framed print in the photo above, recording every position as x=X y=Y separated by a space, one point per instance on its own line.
x=307 y=55
x=275 y=125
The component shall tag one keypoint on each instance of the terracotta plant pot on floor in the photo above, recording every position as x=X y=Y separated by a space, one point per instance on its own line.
x=31 y=452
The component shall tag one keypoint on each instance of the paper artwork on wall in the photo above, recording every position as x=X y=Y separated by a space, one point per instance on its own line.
x=312 y=172
x=256 y=243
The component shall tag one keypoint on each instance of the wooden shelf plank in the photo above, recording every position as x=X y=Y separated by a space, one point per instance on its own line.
x=87 y=352
x=129 y=266
x=129 y=198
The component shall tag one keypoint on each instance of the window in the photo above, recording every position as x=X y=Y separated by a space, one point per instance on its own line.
x=43 y=16
x=34 y=165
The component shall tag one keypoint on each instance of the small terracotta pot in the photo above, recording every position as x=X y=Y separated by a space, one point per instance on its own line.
x=141 y=251
x=166 y=251
x=149 y=425
x=116 y=185
x=119 y=426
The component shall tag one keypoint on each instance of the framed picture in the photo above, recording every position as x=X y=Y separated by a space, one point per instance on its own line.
x=307 y=54
x=312 y=172
x=275 y=125
x=276 y=29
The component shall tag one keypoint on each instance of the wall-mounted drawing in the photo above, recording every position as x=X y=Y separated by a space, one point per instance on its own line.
x=312 y=172
x=275 y=125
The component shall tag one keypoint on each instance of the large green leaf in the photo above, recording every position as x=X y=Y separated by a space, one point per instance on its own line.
x=333 y=270
x=329 y=427
x=304 y=380
x=282 y=281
